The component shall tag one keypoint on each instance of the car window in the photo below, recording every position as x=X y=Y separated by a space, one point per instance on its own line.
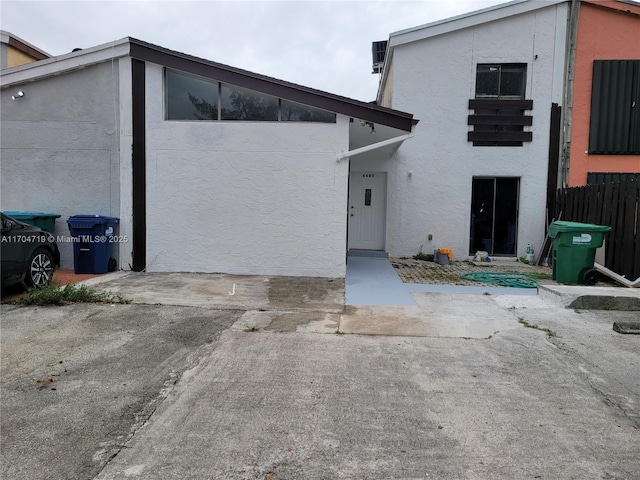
x=9 y=225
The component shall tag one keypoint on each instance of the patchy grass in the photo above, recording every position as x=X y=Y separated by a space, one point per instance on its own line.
x=425 y=257
x=525 y=261
x=549 y=332
x=536 y=275
x=251 y=329
x=71 y=293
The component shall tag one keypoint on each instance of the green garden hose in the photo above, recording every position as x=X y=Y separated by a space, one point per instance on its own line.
x=504 y=279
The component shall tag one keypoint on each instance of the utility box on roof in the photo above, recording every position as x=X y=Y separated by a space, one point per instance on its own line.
x=92 y=242
x=574 y=249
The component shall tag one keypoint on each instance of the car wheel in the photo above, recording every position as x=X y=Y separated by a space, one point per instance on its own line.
x=40 y=269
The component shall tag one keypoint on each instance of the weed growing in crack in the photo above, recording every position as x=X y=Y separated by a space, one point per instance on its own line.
x=548 y=331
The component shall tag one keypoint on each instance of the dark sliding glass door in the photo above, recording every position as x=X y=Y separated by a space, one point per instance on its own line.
x=494 y=215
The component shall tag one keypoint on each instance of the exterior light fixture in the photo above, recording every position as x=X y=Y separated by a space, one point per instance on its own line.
x=17 y=96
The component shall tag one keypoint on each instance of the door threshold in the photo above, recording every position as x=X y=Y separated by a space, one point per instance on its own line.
x=367 y=253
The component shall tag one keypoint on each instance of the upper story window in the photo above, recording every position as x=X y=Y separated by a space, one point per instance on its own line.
x=188 y=97
x=498 y=118
x=615 y=108
x=501 y=81
x=243 y=104
x=296 y=112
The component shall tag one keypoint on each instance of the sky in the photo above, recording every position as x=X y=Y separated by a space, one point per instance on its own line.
x=320 y=44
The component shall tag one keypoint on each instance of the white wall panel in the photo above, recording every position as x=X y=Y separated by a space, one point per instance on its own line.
x=244 y=197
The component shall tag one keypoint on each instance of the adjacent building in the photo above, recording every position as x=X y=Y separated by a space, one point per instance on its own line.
x=603 y=116
x=15 y=51
x=515 y=101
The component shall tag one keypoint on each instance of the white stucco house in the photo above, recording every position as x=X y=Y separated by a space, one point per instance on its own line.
x=215 y=169
x=488 y=87
x=209 y=168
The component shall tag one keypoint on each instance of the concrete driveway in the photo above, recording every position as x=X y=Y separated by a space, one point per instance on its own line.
x=258 y=388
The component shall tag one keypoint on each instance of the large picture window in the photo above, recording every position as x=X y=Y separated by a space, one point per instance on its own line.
x=615 y=108
x=188 y=97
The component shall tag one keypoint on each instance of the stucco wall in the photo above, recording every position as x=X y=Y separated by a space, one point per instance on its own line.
x=434 y=79
x=603 y=34
x=60 y=147
x=244 y=197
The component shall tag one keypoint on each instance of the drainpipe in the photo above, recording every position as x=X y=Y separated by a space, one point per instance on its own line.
x=373 y=146
x=570 y=55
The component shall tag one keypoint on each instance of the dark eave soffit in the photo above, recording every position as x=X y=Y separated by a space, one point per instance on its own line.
x=271 y=86
x=26 y=49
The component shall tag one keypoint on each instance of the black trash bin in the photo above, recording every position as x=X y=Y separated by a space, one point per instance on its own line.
x=92 y=242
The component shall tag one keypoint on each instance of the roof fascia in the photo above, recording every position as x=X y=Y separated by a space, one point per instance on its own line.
x=468 y=20
x=622 y=6
x=271 y=86
x=22 y=45
x=63 y=64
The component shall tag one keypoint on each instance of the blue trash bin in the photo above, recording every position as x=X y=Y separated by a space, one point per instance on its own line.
x=92 y=242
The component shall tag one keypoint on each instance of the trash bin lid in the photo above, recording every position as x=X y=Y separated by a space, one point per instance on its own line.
x=86 y=216
x=88 y=221
x=562 y=226
x=31 y=215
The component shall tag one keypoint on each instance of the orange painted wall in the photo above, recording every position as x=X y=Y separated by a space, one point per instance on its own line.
x=606 y=31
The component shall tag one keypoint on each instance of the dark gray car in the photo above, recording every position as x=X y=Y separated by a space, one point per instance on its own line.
x=28 y=254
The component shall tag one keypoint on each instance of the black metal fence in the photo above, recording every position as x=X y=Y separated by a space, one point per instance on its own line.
x=612 y=204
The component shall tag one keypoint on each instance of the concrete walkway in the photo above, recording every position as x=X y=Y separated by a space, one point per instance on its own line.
x=373 y=281
x=379 y=303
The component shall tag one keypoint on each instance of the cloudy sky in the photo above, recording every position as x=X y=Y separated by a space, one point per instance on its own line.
x=320 y=44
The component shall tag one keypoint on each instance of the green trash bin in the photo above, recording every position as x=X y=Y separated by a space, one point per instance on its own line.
x=574 y=249
x=45 y=221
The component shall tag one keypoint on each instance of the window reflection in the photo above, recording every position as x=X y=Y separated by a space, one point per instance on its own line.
x=242 y=104
x=296 y=112
x=190 y=98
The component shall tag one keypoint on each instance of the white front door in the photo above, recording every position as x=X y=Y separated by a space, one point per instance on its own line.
x=367 y=208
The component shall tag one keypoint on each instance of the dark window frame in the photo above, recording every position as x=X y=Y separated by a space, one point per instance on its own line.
x=502 y=68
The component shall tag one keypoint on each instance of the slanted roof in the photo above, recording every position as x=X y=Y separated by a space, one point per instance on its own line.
x=23 y=46
x=466 y=20
x=147 y=52
x=271 y=86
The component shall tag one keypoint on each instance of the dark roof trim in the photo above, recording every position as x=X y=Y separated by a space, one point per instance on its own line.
x=26 y=49
x=271 y=86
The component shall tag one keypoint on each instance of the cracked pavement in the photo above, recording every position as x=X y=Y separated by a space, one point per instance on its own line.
x=181 y=392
